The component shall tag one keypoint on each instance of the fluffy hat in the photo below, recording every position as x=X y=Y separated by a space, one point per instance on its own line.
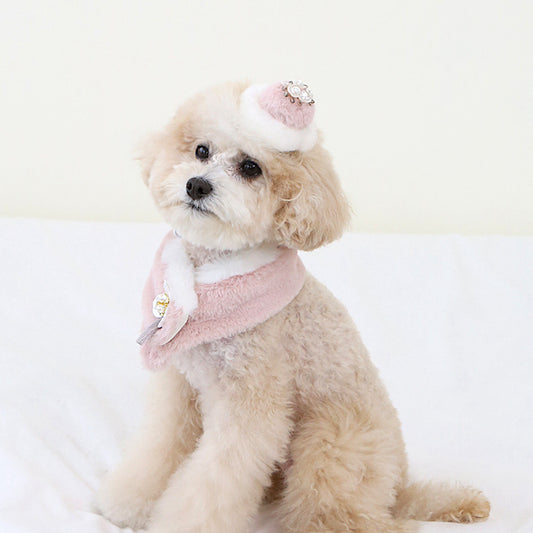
x=279 y=115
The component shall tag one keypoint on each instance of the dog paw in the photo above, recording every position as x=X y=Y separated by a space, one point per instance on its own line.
x=124 y=506
x=474 y=508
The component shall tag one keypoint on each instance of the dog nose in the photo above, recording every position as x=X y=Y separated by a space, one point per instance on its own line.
x=198 y=188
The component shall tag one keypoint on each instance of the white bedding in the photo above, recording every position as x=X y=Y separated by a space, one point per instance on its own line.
x=448 y=321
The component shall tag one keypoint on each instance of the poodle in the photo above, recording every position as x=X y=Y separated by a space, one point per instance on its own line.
x=262 y=391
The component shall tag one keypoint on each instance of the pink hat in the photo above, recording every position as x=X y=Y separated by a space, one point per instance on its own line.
x=280 y=115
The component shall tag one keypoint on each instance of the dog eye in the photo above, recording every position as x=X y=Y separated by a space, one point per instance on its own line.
x=202 y=152
x=250 y=169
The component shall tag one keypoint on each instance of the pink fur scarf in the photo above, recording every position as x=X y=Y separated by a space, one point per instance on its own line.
x=184 y=307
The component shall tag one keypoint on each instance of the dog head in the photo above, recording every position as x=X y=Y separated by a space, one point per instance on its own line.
x=237 y=166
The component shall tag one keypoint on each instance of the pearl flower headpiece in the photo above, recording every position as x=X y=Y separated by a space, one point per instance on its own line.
x=298 y=90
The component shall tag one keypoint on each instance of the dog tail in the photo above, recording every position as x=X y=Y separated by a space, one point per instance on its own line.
x=441 y=502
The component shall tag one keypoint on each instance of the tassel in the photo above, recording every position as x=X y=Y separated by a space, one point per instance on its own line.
x=149 y=331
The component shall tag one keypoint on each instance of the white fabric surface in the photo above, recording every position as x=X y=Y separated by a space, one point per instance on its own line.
x=447 y=319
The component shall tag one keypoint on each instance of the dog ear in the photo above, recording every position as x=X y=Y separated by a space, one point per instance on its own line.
x=313 y=209
x=147 y=153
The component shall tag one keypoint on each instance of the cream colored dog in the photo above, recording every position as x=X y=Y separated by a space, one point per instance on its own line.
x=291 y=410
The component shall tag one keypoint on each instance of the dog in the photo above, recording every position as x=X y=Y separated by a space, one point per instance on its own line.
x=262 y=390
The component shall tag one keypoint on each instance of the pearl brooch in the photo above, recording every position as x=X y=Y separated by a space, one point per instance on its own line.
x=160 y=304
x=298 y=91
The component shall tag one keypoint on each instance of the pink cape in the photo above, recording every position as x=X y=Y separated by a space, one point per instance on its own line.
x=225 y=308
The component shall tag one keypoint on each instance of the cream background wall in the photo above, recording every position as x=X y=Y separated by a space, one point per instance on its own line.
x=426 y=105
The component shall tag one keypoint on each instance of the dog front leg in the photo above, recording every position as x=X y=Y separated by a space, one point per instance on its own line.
x=220 y=486
x=168 y=433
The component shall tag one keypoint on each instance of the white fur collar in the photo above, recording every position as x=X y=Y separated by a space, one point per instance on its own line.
x=237 y=263
x=181 y=276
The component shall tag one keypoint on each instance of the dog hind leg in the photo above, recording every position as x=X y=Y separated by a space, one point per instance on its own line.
x=344 y=475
